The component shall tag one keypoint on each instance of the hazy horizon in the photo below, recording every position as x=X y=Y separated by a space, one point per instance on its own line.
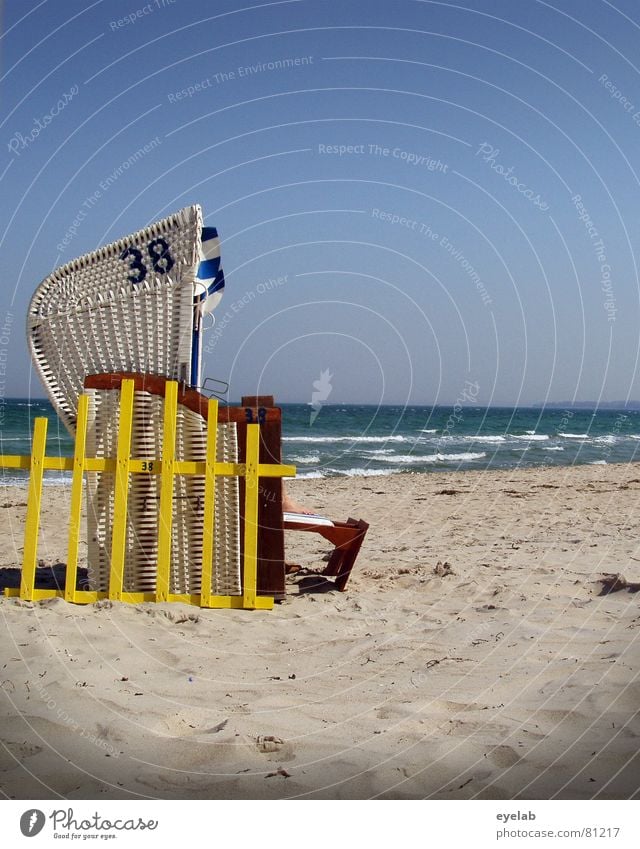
x=631 y=405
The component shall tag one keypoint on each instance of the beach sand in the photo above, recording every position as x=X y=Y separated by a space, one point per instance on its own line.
x=471 y=656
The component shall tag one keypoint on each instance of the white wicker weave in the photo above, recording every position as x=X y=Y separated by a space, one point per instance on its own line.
x=144 y=493
x=128 y=306
x=136 y=305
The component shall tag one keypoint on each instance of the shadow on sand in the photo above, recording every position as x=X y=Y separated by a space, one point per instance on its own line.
x=47 y=577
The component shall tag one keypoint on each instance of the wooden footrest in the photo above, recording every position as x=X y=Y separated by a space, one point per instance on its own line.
x=347 y=537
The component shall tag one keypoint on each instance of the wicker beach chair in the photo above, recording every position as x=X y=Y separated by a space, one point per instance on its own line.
x=135 y=309
x=137 y=306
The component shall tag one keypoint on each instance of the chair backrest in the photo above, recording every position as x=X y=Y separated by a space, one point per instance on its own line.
x=135 y=305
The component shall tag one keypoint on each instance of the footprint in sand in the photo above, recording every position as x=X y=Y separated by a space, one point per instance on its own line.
x=24 y=750
x=503 y=756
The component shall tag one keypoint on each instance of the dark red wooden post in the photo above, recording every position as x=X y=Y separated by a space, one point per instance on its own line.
x=271 y=570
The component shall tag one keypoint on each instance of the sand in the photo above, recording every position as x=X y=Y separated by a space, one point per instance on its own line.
x=471 y=656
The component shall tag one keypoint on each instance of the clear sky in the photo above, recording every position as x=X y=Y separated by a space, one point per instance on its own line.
x=410 y=194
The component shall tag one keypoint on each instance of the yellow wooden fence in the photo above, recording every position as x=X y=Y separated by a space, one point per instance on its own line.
x=166 y=467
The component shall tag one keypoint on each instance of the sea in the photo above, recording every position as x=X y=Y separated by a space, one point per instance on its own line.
x=362 y=441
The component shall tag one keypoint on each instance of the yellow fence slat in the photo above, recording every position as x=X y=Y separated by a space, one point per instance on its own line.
x=167 y=467
x=208 y=525
x=251 y=517
x=15 y=461
x=58 y=464
x=100 y=464
x=193 y=467
x=271 y=470
x=123 y=455
x=32 y=522
x=76 y=498
x=166 y=488
x=150 y=465
x=238 y=602
x=23 y=461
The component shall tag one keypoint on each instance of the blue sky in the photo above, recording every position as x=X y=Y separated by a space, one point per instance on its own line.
x=438 y=192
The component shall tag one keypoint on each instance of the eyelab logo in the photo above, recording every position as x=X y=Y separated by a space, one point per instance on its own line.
x=32 y=822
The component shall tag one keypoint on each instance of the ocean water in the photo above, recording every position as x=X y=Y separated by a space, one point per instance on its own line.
x=363 y=440
x=370 y=441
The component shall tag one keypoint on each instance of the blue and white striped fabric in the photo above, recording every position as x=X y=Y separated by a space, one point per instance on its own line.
x=209 y=291
x=210 y=274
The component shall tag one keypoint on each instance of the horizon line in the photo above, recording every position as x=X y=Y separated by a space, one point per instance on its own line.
x=590 y=404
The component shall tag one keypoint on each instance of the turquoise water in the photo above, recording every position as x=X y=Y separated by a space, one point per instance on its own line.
x=386 y=440
x=368 y=440
x=16 y=427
